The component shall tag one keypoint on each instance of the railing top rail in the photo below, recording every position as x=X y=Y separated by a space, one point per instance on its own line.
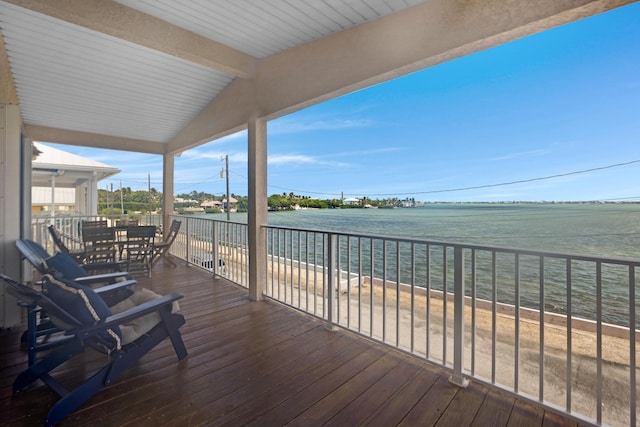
x=477 y=247
x=208 y=219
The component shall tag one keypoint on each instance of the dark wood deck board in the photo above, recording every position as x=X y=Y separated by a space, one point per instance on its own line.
x=262 y=364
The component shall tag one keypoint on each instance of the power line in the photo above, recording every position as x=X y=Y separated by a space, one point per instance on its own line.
x=476 y=187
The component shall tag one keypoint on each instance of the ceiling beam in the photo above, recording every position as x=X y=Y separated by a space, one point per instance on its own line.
x=86 y=139
x=410 y=40
x=123 y=22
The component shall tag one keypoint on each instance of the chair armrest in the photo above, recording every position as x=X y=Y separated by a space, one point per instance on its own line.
x=115 y=287
x=115 y=293
x=100 y=278
x=117 y=265
x=162 y=303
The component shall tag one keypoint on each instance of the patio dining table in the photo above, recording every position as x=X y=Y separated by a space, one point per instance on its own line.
x=123 y=242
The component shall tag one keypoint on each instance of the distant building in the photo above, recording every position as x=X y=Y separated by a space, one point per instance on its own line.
x=232 y=204
x=211 y=204
x=65 y=183
x=351 y=201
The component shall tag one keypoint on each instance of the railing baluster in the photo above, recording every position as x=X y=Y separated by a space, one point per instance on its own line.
x=331 y=278
x=359 y=284
x=371 y=287
x=348 y=281
x=632 y=346
x=541 y=329
x=458 y=318
x=473 y=312
x=384 y=290
x=569 y=341
x=516 y=356
x=494 y=316
x=428 y=302
x=398 y=273
x=299 y=240
x=215 y=249
x=413 y=295
x=599 y=342
x=444 y=305
x=338 y=273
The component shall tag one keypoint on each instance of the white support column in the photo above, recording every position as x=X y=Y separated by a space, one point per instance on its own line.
x=92 y=195
x=168 y=162
x=80 y=198
x=257 y=216
x=12 y=207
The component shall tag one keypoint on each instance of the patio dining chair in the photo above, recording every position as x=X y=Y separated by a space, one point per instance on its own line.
x=139 y=248
x=99 y=244
x=126 y=332
x=161 y=249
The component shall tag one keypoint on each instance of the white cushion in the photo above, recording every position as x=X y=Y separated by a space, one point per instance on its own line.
x=136 y=328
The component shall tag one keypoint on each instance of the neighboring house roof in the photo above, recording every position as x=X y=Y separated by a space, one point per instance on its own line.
x=70 y=170
x=210 y=204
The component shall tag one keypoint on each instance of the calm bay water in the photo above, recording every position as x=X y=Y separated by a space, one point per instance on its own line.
x=607 y=230
x=594 y=229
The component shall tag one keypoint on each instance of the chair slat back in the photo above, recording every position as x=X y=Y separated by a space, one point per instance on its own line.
x=141 y=232
x=34 y=253
x=99 y=244
x=98 y=234
x=94 y=224
x=173 y=231
x=57 y=239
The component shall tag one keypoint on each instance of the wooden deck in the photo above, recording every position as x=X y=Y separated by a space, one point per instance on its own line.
x=262 y=364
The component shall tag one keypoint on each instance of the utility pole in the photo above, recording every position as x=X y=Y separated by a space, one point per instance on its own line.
x=121 y=199
x=226 y=173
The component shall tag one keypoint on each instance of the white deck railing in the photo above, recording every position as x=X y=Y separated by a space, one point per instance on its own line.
x=555 y=328
x=550 y=327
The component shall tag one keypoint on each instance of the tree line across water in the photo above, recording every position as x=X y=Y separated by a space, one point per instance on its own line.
x=129 y=201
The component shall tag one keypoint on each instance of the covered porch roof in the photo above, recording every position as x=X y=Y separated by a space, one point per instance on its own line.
x=162 y=77
x=69 y=170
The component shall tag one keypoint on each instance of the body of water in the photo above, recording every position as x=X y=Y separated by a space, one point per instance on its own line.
x=604 y=230
x=593 y=229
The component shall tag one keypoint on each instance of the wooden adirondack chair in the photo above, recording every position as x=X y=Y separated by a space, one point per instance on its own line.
x=39 y=328
x=63 y=263
x=125 y=337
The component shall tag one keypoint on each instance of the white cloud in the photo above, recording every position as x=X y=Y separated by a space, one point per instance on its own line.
x=521 y=154
x=296 y=126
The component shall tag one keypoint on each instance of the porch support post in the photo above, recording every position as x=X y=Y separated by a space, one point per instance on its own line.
x=13 y=207
x=458 y=318
x=92 y=195
x=167 y=191
x=257 y=217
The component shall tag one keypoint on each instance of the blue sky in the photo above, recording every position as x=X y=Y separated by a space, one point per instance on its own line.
x=554 y=116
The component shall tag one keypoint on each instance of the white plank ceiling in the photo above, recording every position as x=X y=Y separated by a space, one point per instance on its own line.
x=73 y=78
